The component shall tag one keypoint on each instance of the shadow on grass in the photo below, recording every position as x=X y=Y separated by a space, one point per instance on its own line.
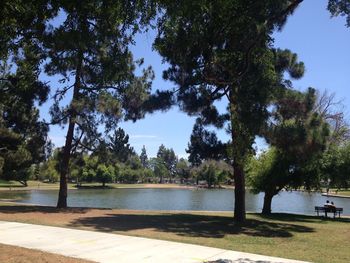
x=302 y=218
x=190 y=225
x=14 y=209
x=240 y=260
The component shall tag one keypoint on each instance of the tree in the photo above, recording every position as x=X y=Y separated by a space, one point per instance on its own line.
x=222 y=49
x=159 y=169
x=213 y=172
x=89 y=50
x=104 y=174
x=23 y=138
x=168 y=158
x=49 y=171
x=289 y=162
x=334 y=167
x=332 y=111
x=144 y=157
x=340 y=8
x=204 y=145
x=88 y=173
x=183 y=169
x=119 y=146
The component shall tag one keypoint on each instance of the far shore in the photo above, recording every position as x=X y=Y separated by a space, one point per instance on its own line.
x=335 y=195
x=33 y=185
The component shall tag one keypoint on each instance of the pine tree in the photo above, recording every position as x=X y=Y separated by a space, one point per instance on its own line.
x=89 y=50
x=222 y=49
x=144 y=157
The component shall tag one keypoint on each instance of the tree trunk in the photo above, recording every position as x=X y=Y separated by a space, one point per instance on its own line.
x=62 y=194
x=238 y=154
x=267 y=203
x=239 y=214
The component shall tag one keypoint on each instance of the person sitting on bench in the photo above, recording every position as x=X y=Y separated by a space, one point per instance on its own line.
x=332 y=207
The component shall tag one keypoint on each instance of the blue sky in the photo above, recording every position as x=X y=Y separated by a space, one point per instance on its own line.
x=321 y=43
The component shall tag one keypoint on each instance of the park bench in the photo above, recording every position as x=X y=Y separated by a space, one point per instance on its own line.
x=334 y=210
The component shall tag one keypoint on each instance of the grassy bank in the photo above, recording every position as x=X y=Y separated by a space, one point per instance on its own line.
x=35 y=185
x=282 y=235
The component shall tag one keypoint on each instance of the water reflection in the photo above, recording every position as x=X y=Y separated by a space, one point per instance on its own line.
x=176 y=199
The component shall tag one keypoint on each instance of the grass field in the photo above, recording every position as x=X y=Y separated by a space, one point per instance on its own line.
x=13 y=254
x=283 y=235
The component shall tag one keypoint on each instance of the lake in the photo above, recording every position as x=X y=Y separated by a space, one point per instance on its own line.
x=177 y=199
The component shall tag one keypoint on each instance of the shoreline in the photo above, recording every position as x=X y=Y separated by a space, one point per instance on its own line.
x=42 y=186
x=335 y=195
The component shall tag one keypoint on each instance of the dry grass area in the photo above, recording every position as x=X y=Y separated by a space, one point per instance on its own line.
x=13 y=254
x=282 y=235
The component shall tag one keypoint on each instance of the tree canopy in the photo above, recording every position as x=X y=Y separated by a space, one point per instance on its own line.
x=288 y=163
x=218 y=49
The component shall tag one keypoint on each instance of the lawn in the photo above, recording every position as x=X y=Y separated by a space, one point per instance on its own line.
x=13 y=254
x=283 y=235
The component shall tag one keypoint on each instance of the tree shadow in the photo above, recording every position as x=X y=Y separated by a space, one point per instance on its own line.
x=14 y=209
x=190 y=225
x=302 y=218
x=240 y=260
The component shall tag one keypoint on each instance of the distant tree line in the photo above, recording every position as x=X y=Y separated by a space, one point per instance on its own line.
x=115 y=161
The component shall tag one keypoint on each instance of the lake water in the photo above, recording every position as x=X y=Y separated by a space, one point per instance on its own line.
x=176 y=199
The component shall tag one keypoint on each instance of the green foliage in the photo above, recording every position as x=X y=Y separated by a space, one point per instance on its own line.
x=290 y=163
x=144 y=157
x=340 y=8
x=22 y=136
x=159 y=168
x=49 y=171
x=267 y=172
x=88 y=173
x=183 y=169
x=87 y=45
x=168 y=159
x=119 y=146
x=213 y=172
x=219 y=49
x=334 y=167
x=204 y=145
x=104 y=174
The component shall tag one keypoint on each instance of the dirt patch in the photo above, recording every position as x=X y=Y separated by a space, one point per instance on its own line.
x=13 y=254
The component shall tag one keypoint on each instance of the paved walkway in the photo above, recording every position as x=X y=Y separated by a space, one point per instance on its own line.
x=104 y=247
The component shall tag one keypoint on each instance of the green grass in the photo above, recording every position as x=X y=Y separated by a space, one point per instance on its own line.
x=4 y=183
x=291 y=236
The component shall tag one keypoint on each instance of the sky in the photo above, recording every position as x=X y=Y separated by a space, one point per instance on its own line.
x=320 y=41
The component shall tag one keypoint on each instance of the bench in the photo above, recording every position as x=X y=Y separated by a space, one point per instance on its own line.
x=334 y=210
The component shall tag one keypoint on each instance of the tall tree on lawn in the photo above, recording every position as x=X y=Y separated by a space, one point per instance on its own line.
x=222 y=49
x=89 y=50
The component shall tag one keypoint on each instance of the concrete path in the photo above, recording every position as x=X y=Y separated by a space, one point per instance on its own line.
x=104 y=247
